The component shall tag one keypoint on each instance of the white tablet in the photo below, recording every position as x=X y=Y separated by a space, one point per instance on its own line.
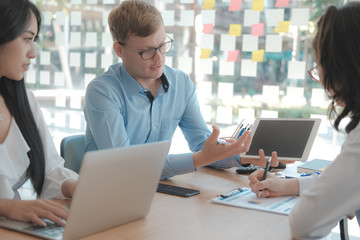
x=291 y=138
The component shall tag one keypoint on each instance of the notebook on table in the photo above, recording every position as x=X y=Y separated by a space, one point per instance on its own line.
x=315 y=165
x=116 y=186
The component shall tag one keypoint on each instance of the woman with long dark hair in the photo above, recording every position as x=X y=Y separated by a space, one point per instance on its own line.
x=327 y=199
x=26 y=147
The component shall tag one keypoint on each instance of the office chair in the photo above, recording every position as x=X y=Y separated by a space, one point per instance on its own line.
x=343 y=224
x=72 y=149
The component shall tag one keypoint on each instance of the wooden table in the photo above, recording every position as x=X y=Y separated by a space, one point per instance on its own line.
x=173 y=217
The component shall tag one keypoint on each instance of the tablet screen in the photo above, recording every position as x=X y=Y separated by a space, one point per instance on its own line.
x=292 y=139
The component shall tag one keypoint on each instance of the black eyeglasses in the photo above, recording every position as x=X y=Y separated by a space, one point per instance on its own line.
x=314 y=73
x=150 y=52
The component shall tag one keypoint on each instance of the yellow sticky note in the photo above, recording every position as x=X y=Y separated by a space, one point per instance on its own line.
x=235 y=30
x=258 y=5
x=258 y=56
x=208 y=4
x=205 y=53
x=283 y=27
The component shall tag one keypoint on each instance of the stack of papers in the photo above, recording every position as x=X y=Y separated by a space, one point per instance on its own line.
x=247 y=199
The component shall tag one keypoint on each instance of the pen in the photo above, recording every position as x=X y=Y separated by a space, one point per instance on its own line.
x=231 y=193
x=242 y=130
x=265 y=173
x=303 y=174
x=238 y=128
x=236 y=134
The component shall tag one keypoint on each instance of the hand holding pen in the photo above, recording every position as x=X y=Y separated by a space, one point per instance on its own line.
x=265 y=174
x=267 y=185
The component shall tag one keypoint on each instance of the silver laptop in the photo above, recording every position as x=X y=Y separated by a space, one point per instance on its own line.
x=116 y=186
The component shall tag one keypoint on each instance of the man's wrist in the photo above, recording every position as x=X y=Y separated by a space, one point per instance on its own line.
x=197 y=159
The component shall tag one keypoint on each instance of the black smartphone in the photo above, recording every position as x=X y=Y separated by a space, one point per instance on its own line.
x=175 y=190
x=247 y=169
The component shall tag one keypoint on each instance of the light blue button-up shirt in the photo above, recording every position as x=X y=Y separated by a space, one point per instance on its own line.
x=118 y=113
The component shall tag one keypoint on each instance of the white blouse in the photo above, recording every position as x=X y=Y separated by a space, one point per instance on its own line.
x=14 y=160
x=326 y=199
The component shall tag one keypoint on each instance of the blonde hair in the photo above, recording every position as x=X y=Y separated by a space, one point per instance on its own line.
x=133 y=17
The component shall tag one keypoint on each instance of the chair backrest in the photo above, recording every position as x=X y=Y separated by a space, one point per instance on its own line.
x=72 y=149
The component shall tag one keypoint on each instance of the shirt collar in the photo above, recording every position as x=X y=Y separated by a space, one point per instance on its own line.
x=164 y=82
x=133 y=87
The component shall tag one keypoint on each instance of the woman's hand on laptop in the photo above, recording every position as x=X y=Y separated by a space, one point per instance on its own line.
x=33 y=211
x=213 y=151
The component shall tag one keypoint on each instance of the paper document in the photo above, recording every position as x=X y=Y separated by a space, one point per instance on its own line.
x=247 y=199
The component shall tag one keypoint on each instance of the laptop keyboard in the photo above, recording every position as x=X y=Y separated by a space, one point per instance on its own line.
x=51 y=230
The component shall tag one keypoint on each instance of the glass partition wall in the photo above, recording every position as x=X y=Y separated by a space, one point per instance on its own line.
x=248 y=59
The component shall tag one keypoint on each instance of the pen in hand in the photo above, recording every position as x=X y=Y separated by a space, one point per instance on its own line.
x=265 y=173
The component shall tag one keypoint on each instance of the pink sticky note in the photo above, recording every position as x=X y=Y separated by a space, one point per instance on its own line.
x=233 y=56
x=207 y=28
x=282 y=3
x=235 y=5
x=257 y=29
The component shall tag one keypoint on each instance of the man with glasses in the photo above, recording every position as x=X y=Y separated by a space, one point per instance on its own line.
x=141 y=100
